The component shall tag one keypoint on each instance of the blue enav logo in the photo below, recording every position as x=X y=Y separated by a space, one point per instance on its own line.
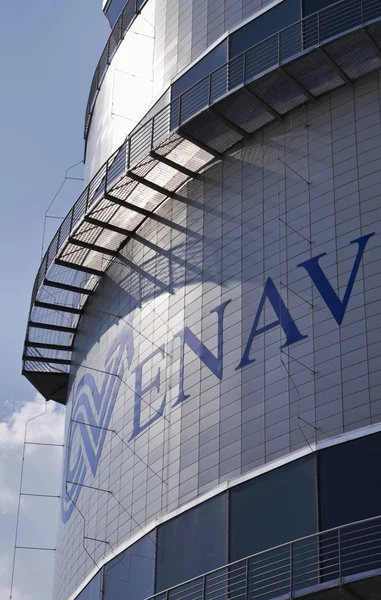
x=95 y=407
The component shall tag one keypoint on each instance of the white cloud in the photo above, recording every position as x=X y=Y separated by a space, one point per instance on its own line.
x=48 y=428
x=38 y=516
x=8 y=497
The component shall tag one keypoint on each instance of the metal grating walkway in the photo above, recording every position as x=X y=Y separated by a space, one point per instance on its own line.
x=322 y=52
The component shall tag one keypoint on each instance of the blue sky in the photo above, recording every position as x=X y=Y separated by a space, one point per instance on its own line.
x=48 y=53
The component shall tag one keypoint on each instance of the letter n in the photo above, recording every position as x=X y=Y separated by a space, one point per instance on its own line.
x=214 y=363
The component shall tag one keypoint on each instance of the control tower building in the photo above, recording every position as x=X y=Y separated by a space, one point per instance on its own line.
x=209 y=311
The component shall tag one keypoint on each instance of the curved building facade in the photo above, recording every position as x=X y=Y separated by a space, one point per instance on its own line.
x=215 y=327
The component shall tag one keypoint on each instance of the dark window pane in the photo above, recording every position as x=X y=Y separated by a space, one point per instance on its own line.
x=269 y=574
x=360 y=547
x=131 y=574
x=272 y=21
x=214 y=59
x=192 y=543
x=372 y=10
x=349 y=491
x=114 y=10
x=273 y=508
x=350 y=481
x=93 y=589
x=311 y=6
x=333 y=18
x=196 y=91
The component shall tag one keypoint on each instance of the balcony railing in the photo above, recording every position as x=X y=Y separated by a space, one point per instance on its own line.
x=241 y=70
x=122 y=25
x=337 y=556
x=320 y=53
x=277 y=49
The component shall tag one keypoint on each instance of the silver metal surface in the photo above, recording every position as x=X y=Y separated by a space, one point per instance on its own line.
x=344 y=562
x=262 y=84
x=128 y=15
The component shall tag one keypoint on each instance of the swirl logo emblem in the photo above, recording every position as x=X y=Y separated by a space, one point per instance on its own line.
x=93 y=406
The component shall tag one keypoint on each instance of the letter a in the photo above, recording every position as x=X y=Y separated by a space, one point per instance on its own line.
x=284 y=320
x=314 y=270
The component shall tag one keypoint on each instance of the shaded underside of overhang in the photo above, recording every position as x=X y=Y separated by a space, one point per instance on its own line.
x=153 y=164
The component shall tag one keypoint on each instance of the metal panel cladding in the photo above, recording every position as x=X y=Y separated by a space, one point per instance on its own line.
x=237 y=327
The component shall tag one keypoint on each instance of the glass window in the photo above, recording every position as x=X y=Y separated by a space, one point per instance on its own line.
x=131 y=574
x=114 y=10
x=197 y=96
x=192 y=543
x=312 y=6
x=214 y=59
x=282 y=15
x=349 y=490
x=334 y=19
x=273 y=508
x=350 y=481
x=93 y=589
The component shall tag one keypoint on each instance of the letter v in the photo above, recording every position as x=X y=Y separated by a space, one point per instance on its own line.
x=333 y=302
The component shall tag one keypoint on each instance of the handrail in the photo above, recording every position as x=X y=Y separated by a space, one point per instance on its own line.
x=335 y=554
x=130 y=11
x=126 y=18
x=278 y=49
